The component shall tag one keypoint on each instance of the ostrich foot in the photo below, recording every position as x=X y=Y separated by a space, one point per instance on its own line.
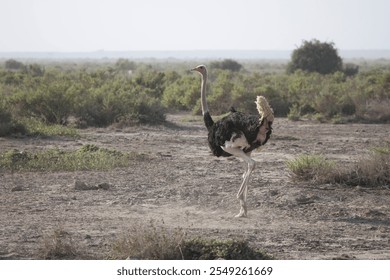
x=242 y=214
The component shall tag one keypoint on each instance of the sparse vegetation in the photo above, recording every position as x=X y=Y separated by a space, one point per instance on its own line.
x=149 y=242
x=311 y=167
x=372 y=170
x=96 y=207
x=294 y=113
x=58 y=245
x=231 y=249
x=315 y=56
x=35 y=127
x=88 y=157
x=53 y=99
x=152 y=242
x=7 y=125
x=226 y=64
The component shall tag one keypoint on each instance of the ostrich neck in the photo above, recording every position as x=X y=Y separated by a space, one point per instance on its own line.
x=205 y=108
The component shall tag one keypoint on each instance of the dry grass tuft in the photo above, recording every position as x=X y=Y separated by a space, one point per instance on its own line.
x=87 y=157
x=372 y=170
x=59 y=246
x=377 y=111
x=311 y=168
x=149 y=242
x=152 y=242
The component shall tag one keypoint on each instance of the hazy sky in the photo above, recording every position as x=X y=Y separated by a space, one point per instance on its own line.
x=90 y=25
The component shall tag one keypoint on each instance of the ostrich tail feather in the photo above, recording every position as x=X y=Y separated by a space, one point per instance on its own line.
x=264 y=109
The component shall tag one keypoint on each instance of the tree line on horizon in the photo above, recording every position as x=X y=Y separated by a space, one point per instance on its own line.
x=316 y=84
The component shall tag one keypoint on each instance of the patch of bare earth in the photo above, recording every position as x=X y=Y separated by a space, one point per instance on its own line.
x=182 y=185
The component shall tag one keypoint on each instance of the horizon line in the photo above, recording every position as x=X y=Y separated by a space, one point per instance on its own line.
x=182 y=50
x=264 y=54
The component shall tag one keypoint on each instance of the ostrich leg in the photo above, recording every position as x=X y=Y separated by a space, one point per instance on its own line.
x=243 y=175
x=243 y=191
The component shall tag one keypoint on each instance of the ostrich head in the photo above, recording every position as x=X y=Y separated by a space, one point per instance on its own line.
x=201 y=69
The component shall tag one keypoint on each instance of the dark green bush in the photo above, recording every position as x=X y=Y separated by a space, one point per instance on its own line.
x=5 y=122
x=202 y=249
x=88 y=157
x=97 y=99
x=226 y=64
x=182 y=94
x=315 y=56
x=8 y=125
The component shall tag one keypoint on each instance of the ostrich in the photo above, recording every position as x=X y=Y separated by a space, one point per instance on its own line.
x=237 y=134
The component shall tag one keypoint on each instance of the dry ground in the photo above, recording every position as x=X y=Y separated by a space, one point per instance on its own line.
x=183 y=185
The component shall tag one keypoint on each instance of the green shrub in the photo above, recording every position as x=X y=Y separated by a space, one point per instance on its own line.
x=311 y=167
x=103 y=95
x=35 y=127
x=219 y=98
x=315 y=56
x=98 y=99
x=294 y=113
x=182 y=94
x=226 y=64
x=8 y=125
x=86 y=158
x=372 y=170
x=350 y=69
x=212 y=249
x=45 y=99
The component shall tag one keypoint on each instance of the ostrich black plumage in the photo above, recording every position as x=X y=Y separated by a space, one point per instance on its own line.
x=237 y=134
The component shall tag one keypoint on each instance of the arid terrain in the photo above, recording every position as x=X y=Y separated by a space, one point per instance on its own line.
x=181 y=185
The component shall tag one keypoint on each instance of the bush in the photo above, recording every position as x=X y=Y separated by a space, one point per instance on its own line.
x=372 y=170
x=311 y=167
x=220 y=98
x=14 y=65
x=371 y=95
x=375 y=111
x=182 y=94
x=8 y=125
x=97 y=99
x=123 y=64
x=202 y=249
x=104 y=95
x=350 y=69
x=59 y=245
x=226 y=64
x=35 y=127
x=5 y=122
x=294 y=113
x=151 y=242
x=88 y=157
x=315 y=56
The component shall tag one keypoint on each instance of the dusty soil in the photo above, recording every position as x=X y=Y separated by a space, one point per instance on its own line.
x=182 y=185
